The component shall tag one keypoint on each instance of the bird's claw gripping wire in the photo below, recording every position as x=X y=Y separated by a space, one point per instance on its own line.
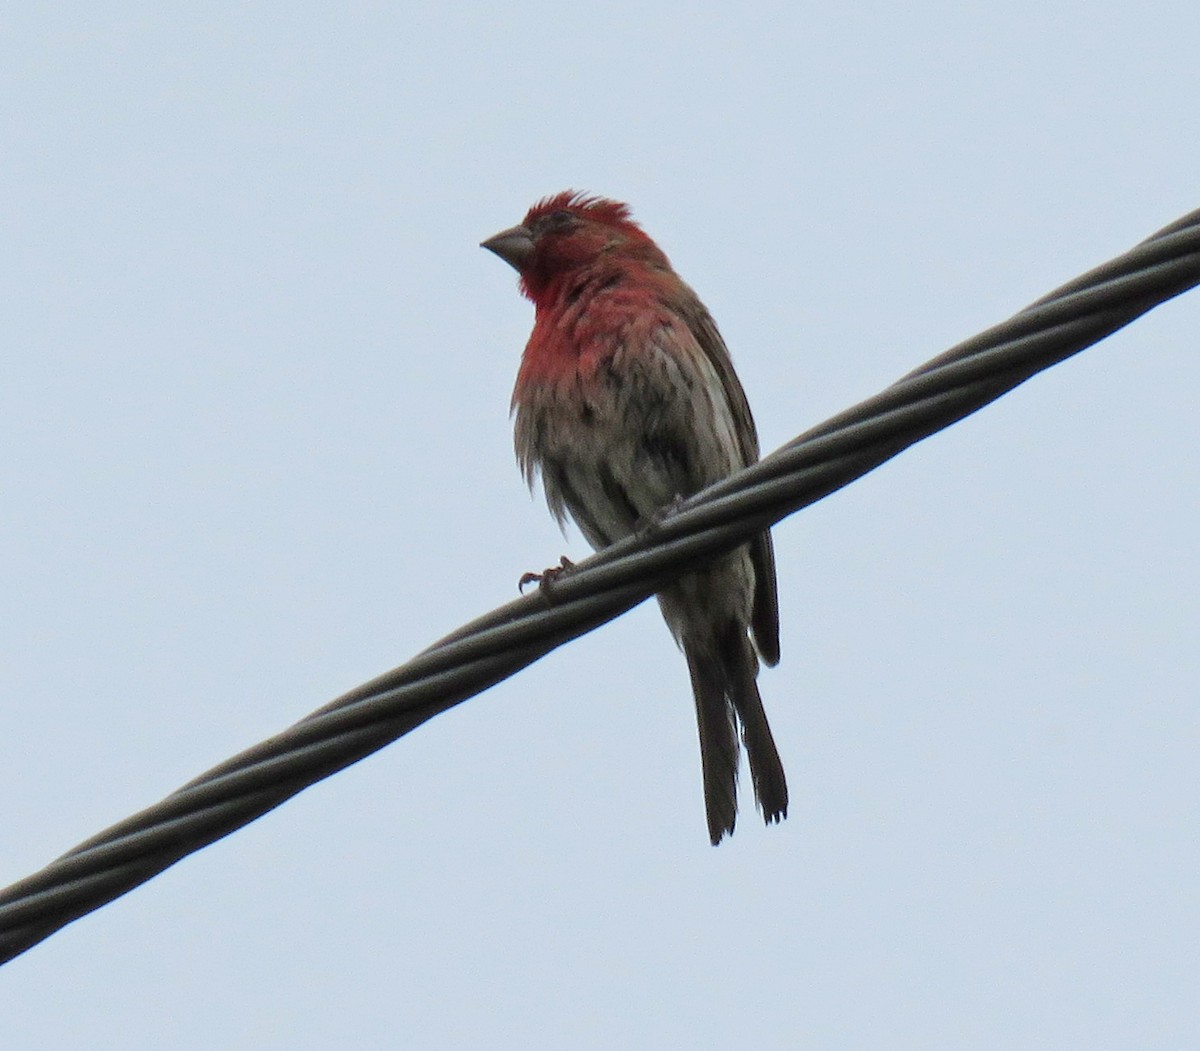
x=546 y=578
x=649 y=525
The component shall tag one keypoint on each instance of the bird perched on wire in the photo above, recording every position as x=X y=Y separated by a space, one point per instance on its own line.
x=626 y=401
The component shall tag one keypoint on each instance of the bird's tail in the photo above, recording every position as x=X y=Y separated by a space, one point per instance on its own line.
x=726 y=691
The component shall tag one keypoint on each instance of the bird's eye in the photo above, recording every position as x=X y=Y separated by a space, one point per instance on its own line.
x=560 y=220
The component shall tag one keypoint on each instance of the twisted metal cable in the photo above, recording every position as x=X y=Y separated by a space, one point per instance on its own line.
x=497 y=645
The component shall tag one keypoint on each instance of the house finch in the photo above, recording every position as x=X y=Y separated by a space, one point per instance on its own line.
x=625 y=402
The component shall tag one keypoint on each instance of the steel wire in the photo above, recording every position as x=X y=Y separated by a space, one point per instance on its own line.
x=500 y=643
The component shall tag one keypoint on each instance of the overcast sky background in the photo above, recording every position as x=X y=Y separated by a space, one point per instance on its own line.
x=257 y=450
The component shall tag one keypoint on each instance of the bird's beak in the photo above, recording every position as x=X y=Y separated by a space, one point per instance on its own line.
x=514 y=246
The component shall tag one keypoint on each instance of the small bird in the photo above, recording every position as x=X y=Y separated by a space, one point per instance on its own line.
x=626 y=402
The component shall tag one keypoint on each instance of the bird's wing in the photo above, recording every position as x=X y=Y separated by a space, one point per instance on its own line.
x=765 y=617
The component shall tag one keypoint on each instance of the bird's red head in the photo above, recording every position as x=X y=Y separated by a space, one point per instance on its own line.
x=568 y=233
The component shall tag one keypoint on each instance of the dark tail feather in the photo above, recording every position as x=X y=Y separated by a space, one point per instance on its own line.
x=719 y=751
x=766 y=769
x=723 y=681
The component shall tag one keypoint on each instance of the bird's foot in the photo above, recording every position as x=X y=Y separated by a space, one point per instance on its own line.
x=546 y=578
x=651 y=523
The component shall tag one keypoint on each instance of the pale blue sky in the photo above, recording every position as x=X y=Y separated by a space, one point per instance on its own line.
x=257 y=450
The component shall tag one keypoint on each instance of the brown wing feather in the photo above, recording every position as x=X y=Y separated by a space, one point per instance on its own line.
x=765 y=618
